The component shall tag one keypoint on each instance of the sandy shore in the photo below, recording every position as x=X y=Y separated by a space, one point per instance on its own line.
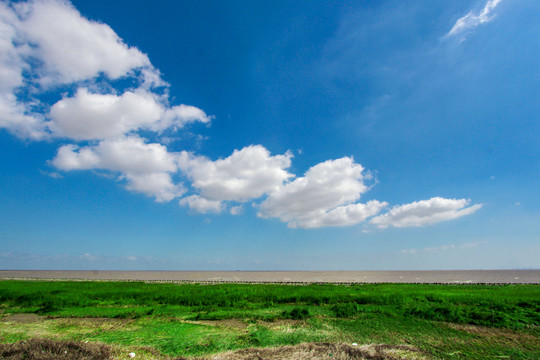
x=427 y=277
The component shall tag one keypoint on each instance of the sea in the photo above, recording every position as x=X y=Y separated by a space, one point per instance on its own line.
x=287 y=277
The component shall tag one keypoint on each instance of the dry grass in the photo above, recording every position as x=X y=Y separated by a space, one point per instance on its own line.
x=492 y=332
x=22 y=318
x=225 y=323
x=35 y=326
x=502 y=337
x=45 y=349
x=324 y=351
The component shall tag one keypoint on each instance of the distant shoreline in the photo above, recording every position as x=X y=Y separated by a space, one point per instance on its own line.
x=287 y=277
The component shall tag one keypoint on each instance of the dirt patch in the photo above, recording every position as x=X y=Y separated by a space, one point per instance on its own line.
x=324 y=351
x=22 y=318
x=45 y=349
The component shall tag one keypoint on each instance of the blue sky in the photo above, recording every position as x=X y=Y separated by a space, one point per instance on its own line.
x=269 y=135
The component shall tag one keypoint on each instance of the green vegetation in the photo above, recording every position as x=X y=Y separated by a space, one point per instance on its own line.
x=445 y=321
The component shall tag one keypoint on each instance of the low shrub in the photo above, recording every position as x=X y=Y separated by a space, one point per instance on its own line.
x=296 y=314
x=346 y=310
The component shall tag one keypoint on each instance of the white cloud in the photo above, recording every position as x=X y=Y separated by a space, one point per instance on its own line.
x=146 y=167
x=323 y=197
x=202 y=205
x=236 y=210
x=246 y=174
x=127 y=154
x=71 y=157
x=89 y=116
x=94 y=116
x=346 y=215
x=159 y=185
x=73 y=48
x=12 y=114
x=425 y=212
x=11 y=64
x=178 y=116
x=14 y=118
x=472 y=20
x=52 y=44
x=51 y=174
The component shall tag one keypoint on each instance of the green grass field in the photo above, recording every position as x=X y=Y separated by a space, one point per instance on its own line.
x=168 y=320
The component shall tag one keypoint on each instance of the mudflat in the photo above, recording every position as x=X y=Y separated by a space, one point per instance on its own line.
x=424 y=277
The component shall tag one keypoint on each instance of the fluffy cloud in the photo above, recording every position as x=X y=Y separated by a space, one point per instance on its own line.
x=12 y=114
x=44 y=44
x=89 y=116
x=146 y=167
x=11 y=64
x=346 y=215
x=202 y=205
x=471 y=20
x=323 y=197
x=94 y=116
x=73 y=48
x=246 y=174
x=48 y=43
x=127 y=154
x=13 y=117
x=236 y=210
x=178 y=116
x=425 y=212
x=158 y=185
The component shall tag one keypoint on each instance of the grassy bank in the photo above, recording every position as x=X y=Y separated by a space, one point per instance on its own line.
x=445 y=321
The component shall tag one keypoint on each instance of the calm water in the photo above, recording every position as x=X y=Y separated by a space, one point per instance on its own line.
x=448 y=277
